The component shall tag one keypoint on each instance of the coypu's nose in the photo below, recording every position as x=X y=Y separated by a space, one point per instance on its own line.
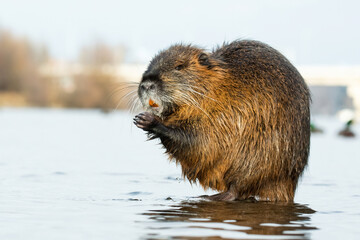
x=147 y=86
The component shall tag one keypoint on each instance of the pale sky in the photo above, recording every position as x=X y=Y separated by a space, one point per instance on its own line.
x=306 y=31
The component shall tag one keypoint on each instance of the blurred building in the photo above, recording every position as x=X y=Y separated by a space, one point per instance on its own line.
x=329 y=100
x=333 y=88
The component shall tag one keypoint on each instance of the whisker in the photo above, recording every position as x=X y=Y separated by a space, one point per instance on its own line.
x=122 y=98
x=135 y=104
x=122 y=88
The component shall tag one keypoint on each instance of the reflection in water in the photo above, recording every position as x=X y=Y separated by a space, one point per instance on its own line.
x=241 y=219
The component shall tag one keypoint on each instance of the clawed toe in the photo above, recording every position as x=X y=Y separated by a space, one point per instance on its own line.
x=144 y=120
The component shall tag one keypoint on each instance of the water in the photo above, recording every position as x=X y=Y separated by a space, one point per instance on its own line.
x=70 y=174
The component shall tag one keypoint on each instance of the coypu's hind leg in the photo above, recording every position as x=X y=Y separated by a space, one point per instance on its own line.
x=224 y=196
x=229 y=195
x=282 y=191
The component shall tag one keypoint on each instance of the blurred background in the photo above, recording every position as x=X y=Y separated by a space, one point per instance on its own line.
x=74 y=53
x=72 y=164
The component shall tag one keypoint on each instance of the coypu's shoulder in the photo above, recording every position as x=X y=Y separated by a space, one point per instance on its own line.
x=258 y=65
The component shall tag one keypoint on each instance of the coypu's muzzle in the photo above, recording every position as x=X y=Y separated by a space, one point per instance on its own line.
x=149 y=93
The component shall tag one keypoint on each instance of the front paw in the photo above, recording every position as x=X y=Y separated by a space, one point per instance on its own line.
x=145 y=121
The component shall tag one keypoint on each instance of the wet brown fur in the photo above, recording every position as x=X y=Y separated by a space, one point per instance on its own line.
x=247 y=128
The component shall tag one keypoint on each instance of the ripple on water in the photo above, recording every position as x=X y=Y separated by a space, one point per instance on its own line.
x=136 y=193
x=30 y=176
x=59 y=173
x=174 y=178
x=134 y=199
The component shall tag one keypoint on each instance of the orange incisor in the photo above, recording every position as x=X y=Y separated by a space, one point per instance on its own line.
x=152 y=103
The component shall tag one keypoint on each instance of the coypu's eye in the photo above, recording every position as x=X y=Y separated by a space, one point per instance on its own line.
x=179 y=67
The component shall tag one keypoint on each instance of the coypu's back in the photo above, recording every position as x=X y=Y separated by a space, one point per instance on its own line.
x=245 y=131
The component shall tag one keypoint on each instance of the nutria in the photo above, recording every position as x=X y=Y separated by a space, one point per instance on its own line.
x=236 y=119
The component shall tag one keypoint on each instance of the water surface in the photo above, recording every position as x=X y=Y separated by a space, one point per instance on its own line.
x=81 y=174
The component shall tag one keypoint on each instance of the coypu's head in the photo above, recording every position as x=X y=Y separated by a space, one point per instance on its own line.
x=175 y=77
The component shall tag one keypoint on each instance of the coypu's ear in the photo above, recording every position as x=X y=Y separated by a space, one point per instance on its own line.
x=204 y=60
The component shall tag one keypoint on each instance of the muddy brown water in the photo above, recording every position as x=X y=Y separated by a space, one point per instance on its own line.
x=82 y=174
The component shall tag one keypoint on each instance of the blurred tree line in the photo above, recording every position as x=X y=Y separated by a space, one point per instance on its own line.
x=19 y=59
x=22 y=84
